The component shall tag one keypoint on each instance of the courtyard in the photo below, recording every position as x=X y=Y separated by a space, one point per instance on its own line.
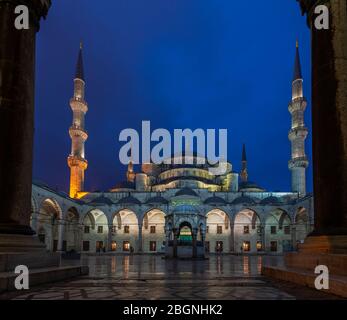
x=150 y=277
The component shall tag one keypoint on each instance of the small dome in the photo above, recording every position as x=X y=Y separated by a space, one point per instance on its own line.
x=157 y=200
x=129 y=200
x=271 y=200
x=186 y=192
x=100 y=201
x=215 y=201
x=243 y=200
x=249 y=185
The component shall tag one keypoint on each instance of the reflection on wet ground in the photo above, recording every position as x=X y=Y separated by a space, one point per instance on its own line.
x=156 y=267
x=146 y=277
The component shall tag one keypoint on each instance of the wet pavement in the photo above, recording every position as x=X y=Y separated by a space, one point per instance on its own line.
x=149 y=277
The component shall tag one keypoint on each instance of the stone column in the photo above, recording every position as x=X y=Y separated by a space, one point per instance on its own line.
x=194 y=237
x=294 y=244
x=175 y=233
x=61 y=232
x=329 y=118
x=140 y=244
x=231 y=240
x=17 y=65
x=109 y=238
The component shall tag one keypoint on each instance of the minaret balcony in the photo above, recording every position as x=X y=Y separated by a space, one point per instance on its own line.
x=297 y=104
x=75 y=161
x=79 y=105
x=298 y=133
x=78 y=132
x=299 y=162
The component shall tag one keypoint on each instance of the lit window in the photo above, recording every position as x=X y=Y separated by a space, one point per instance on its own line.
x=246 y=229
x=153 y=246
x=126 y=229
x=114 y=246
x=219 y=246
x=126 y=246
x=259 y=246
x=219 y=229
x=246 y=246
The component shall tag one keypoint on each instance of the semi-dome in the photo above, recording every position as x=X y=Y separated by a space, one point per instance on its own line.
x=215 y=201
x=157 y=200
x=243 y=200
x=129 y=200
x=186 y=192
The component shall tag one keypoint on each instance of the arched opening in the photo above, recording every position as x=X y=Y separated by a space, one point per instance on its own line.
x=72 y=234
x=278 y=232
x=153 y=231
x=218 y=231
x=125 y=231
x=47 y=224
x=248 y=232
x=95 y=231
x=185 y=233
x=302 y=225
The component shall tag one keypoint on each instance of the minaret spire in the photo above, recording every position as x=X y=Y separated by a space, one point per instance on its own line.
x=298 y=133
x=244 y=173
x=79 y=66
x=297 y=65
x=76 y=160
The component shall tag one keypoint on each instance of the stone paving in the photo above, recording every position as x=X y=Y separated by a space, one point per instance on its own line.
x=152 y=277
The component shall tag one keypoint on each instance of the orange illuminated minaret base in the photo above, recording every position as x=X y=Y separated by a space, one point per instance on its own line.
x=76 y=160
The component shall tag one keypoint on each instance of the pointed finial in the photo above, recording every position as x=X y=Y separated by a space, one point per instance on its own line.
x=79 y=67
x=297 y=64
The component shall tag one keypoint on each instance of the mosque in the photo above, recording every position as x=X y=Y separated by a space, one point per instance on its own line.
x=179 y=210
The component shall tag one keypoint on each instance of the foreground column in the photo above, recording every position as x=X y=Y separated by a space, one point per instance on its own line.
x=327 y=244
x=17 y=65
x=329 y=120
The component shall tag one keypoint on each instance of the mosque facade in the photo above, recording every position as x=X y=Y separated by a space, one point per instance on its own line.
x=180 y=210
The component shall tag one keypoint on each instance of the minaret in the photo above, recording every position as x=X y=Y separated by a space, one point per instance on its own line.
x=298 y=132
x=130 y=172
x=244 y=173
x=76 y=160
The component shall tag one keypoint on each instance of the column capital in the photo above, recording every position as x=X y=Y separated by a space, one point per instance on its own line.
x=38 y=8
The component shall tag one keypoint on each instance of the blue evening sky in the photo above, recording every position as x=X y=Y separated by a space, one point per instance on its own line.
x=178 y=63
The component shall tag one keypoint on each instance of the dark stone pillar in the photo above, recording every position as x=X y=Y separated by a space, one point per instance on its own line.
x=175 y=233
x=17 y=66
x=194 y=238
x=329 y=118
